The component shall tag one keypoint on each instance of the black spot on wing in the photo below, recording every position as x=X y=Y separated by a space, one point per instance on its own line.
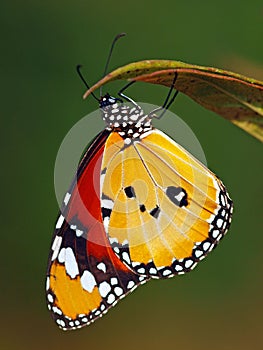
x=129 y=191
x=106 y=212
x=155 y=212
x=177 y=195
x=142 y=208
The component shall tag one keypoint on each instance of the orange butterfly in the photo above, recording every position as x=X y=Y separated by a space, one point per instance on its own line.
x=140 y=207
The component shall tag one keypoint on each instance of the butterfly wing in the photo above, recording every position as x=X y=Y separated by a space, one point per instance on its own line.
x=85 y=278
x=162 y=209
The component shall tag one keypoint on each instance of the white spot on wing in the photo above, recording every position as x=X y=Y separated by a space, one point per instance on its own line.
x=101 y=266
x=130 y=284
x=104 y=289
x=219 y=223
x=88 y=281
x=71 y=263
x=178 y=268
x=107 y=203
x=113 y=240
x=141 y=270
x=118 y=291
x=47 y=283
x=60 y=222
x=188 y=263
x=67 y=198
x=215 y=233
x=61 y=323
x=57 y=242
x=126 y=258
x=114 y=281
x=206 y=246
x=166 y=272
x=79 y=233
x=106 y=222
x=198 y=253
x=50 y=298
x=56 y=246
x=111 y=299
x=56 y=310
x=61 y=256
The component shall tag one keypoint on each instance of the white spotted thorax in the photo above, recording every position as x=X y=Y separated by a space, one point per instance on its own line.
x=129 y=121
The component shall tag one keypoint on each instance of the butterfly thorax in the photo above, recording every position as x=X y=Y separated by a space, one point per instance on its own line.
x=129 y=121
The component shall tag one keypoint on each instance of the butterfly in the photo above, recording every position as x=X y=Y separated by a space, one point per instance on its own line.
x=139 y=207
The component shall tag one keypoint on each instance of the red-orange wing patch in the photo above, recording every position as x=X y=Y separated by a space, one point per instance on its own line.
x=85 y=278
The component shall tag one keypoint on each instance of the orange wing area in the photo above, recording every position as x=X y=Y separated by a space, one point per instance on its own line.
x=85 y=278
x=162 y=209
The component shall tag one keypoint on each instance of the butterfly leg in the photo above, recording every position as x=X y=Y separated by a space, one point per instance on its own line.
x=166 y=103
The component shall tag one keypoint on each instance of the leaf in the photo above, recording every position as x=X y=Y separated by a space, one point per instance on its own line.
x=233 y=96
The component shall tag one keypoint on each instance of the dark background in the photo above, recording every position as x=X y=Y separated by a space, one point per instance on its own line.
x=217 y=306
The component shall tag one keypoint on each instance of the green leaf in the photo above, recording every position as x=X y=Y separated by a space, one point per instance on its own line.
x=233 y=96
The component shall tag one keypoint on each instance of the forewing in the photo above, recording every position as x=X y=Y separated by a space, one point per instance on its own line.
x=162 y=209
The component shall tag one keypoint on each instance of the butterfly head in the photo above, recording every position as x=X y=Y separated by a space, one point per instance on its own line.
x=107 y=101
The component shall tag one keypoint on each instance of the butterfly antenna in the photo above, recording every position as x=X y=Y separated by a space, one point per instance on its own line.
x=78 y=68
x=117 y=37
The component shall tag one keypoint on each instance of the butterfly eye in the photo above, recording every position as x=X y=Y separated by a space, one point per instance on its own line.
x=108 y=101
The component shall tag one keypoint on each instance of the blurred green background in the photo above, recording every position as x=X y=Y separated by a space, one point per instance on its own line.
x=218 y=305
